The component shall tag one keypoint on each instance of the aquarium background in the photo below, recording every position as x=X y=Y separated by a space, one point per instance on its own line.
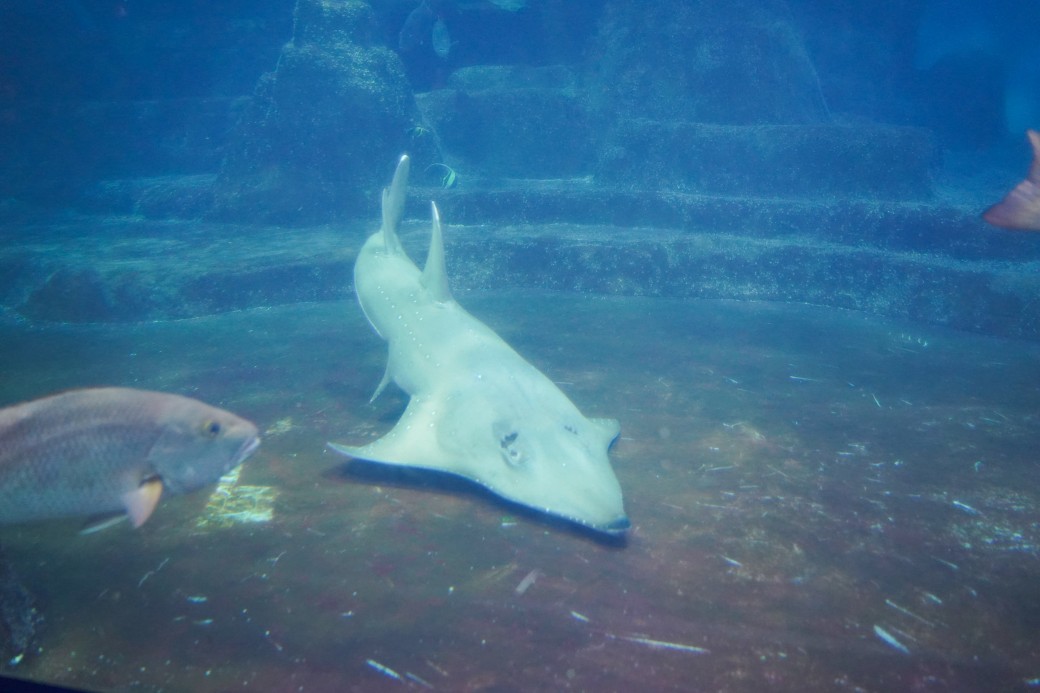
x=748 y=230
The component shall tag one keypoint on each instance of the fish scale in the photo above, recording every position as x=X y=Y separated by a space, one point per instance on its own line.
x=39 y=474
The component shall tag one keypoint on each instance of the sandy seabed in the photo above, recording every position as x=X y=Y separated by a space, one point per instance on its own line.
x=820 y=500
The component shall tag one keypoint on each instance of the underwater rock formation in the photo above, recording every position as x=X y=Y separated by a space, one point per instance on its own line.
x=723 y=98
x=337 y=100
x=517 y=121
x=706 y=61
x=883 y=161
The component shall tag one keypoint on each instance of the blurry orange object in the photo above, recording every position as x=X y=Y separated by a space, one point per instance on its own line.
x=1020 y=208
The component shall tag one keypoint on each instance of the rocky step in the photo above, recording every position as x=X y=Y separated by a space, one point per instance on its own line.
x=535 y=122
x=489 y=133
x=129 y=269
x=130 y=139
x=931 y=226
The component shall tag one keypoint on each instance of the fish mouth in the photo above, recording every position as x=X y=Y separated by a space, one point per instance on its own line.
x=247 y=449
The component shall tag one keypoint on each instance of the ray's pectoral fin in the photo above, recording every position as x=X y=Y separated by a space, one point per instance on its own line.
x=140 y=502
x=411 y=442
x=611 y=429
x=1020 y=208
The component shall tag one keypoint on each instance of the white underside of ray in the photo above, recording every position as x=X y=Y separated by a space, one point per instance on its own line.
x=477 y=408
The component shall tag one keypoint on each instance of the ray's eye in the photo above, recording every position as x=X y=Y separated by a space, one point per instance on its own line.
x=512 y=453
x=511 y=448
x=211 y=428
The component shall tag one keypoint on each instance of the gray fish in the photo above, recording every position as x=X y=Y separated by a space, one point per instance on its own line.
x=440 y=39
x=112 y=450
x=416 y=29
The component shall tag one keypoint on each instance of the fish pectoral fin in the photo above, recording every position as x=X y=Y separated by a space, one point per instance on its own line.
x=101 y=523
x=140 y=503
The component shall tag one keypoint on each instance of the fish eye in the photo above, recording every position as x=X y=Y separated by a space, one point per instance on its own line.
x=211 y=428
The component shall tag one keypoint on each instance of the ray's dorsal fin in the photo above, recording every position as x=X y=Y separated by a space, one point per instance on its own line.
x=435 y=274
x=1020 y=208
x=393 y=205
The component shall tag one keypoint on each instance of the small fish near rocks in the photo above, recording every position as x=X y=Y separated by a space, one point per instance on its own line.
x=111 y=452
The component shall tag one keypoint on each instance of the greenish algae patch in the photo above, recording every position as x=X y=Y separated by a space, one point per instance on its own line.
x=232 y=503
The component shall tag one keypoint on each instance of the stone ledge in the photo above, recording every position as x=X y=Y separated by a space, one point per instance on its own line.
x=134 y=270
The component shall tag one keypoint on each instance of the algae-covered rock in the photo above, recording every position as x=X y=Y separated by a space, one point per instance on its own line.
x=322 y=126
x=739 y=62
x=876 y=161
x=513 y=121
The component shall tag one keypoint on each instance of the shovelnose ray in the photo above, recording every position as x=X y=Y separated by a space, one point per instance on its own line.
x=477 y=408
x=1020 y=208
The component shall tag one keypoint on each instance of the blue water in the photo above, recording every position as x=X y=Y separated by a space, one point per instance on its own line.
x=748 y=230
